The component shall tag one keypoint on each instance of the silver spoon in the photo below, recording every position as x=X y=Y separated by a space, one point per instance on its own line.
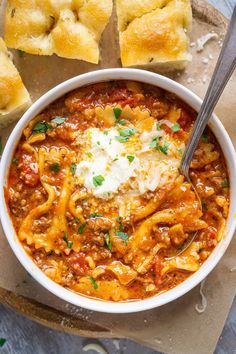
x=224 y=69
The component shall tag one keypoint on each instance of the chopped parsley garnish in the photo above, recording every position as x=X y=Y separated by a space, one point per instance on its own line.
x=89 y=154
x=123 y=235
x=164 y=148
x=154 y=143
x=105 y=132
x=175 y=128
x=81 y=227
x=117 y=112
x=121 y=226
x=121 y=122
x=41 y=127
x=20 y=53
x=13 y=12
x=205 y=138
x=2 y=342
x=225 y=184
x=65 y=238
x=15 y=161
x=116 y=159
x=95 y=215
x=59 y=120
x=98 y=180
x=127 y=132
x=73 y=168
x=94 y=283
x=122 y=139
x=130 y=158
x=1 y=146
x=180 y=151
x=158 y=126
x=55 y=167
x=98 y=143
x=108 y=240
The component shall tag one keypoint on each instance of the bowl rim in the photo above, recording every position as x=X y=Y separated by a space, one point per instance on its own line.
x=95 y=304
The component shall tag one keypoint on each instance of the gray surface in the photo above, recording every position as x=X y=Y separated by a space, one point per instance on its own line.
x=26 y=337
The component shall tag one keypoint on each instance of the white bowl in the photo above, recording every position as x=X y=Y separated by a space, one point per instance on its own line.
x=107 y=306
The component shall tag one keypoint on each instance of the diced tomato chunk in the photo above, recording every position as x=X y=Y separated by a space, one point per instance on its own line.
x=185 y=118
x=120 y=94
x=29 y=169
x=77 y=261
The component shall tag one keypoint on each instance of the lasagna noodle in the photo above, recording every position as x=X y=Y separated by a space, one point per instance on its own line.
x=58 y=224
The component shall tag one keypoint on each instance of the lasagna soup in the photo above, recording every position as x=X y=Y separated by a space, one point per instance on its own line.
x=96 y=197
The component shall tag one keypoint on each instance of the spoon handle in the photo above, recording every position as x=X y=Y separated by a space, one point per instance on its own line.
x=224 y=69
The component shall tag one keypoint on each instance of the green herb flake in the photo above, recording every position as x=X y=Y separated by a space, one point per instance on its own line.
x=105 y=132
x=154 y=143
x=95 y=215
x=121 y=225
x=117 y=112
x=41 y=127
x=73 y=168
x=98 y=143
x=123 y=235
x=66 y=235
x=94 y=283
x=70 y=244
x=55 y=167
x=20 y=53
x=15 y=161
x=58 y=120
x=205 y=138
x=13 y=12
x=175 y=128
x=1 y=146
x=127 y=132
x=108 y=241
x=81 y=228
x=2 y=342
x=164 y=148
x=89 y=154
x=130 y=158
x=122 y=139
x=116 y=159
x=98 y=180
x=65 y=238
x=225 y=184
x=121 y=122
x=180 y=151
x=158 y=126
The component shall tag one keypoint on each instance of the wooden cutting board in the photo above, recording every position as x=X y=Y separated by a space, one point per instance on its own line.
x=203 y=13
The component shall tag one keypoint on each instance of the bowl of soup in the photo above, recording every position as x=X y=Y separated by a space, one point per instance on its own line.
x=93 y=203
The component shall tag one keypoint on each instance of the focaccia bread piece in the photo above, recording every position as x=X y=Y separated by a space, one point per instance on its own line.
x=69 y=28
x=14 y=98
x=154 y=32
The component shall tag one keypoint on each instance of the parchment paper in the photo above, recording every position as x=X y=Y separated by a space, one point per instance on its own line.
x=174 y=328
